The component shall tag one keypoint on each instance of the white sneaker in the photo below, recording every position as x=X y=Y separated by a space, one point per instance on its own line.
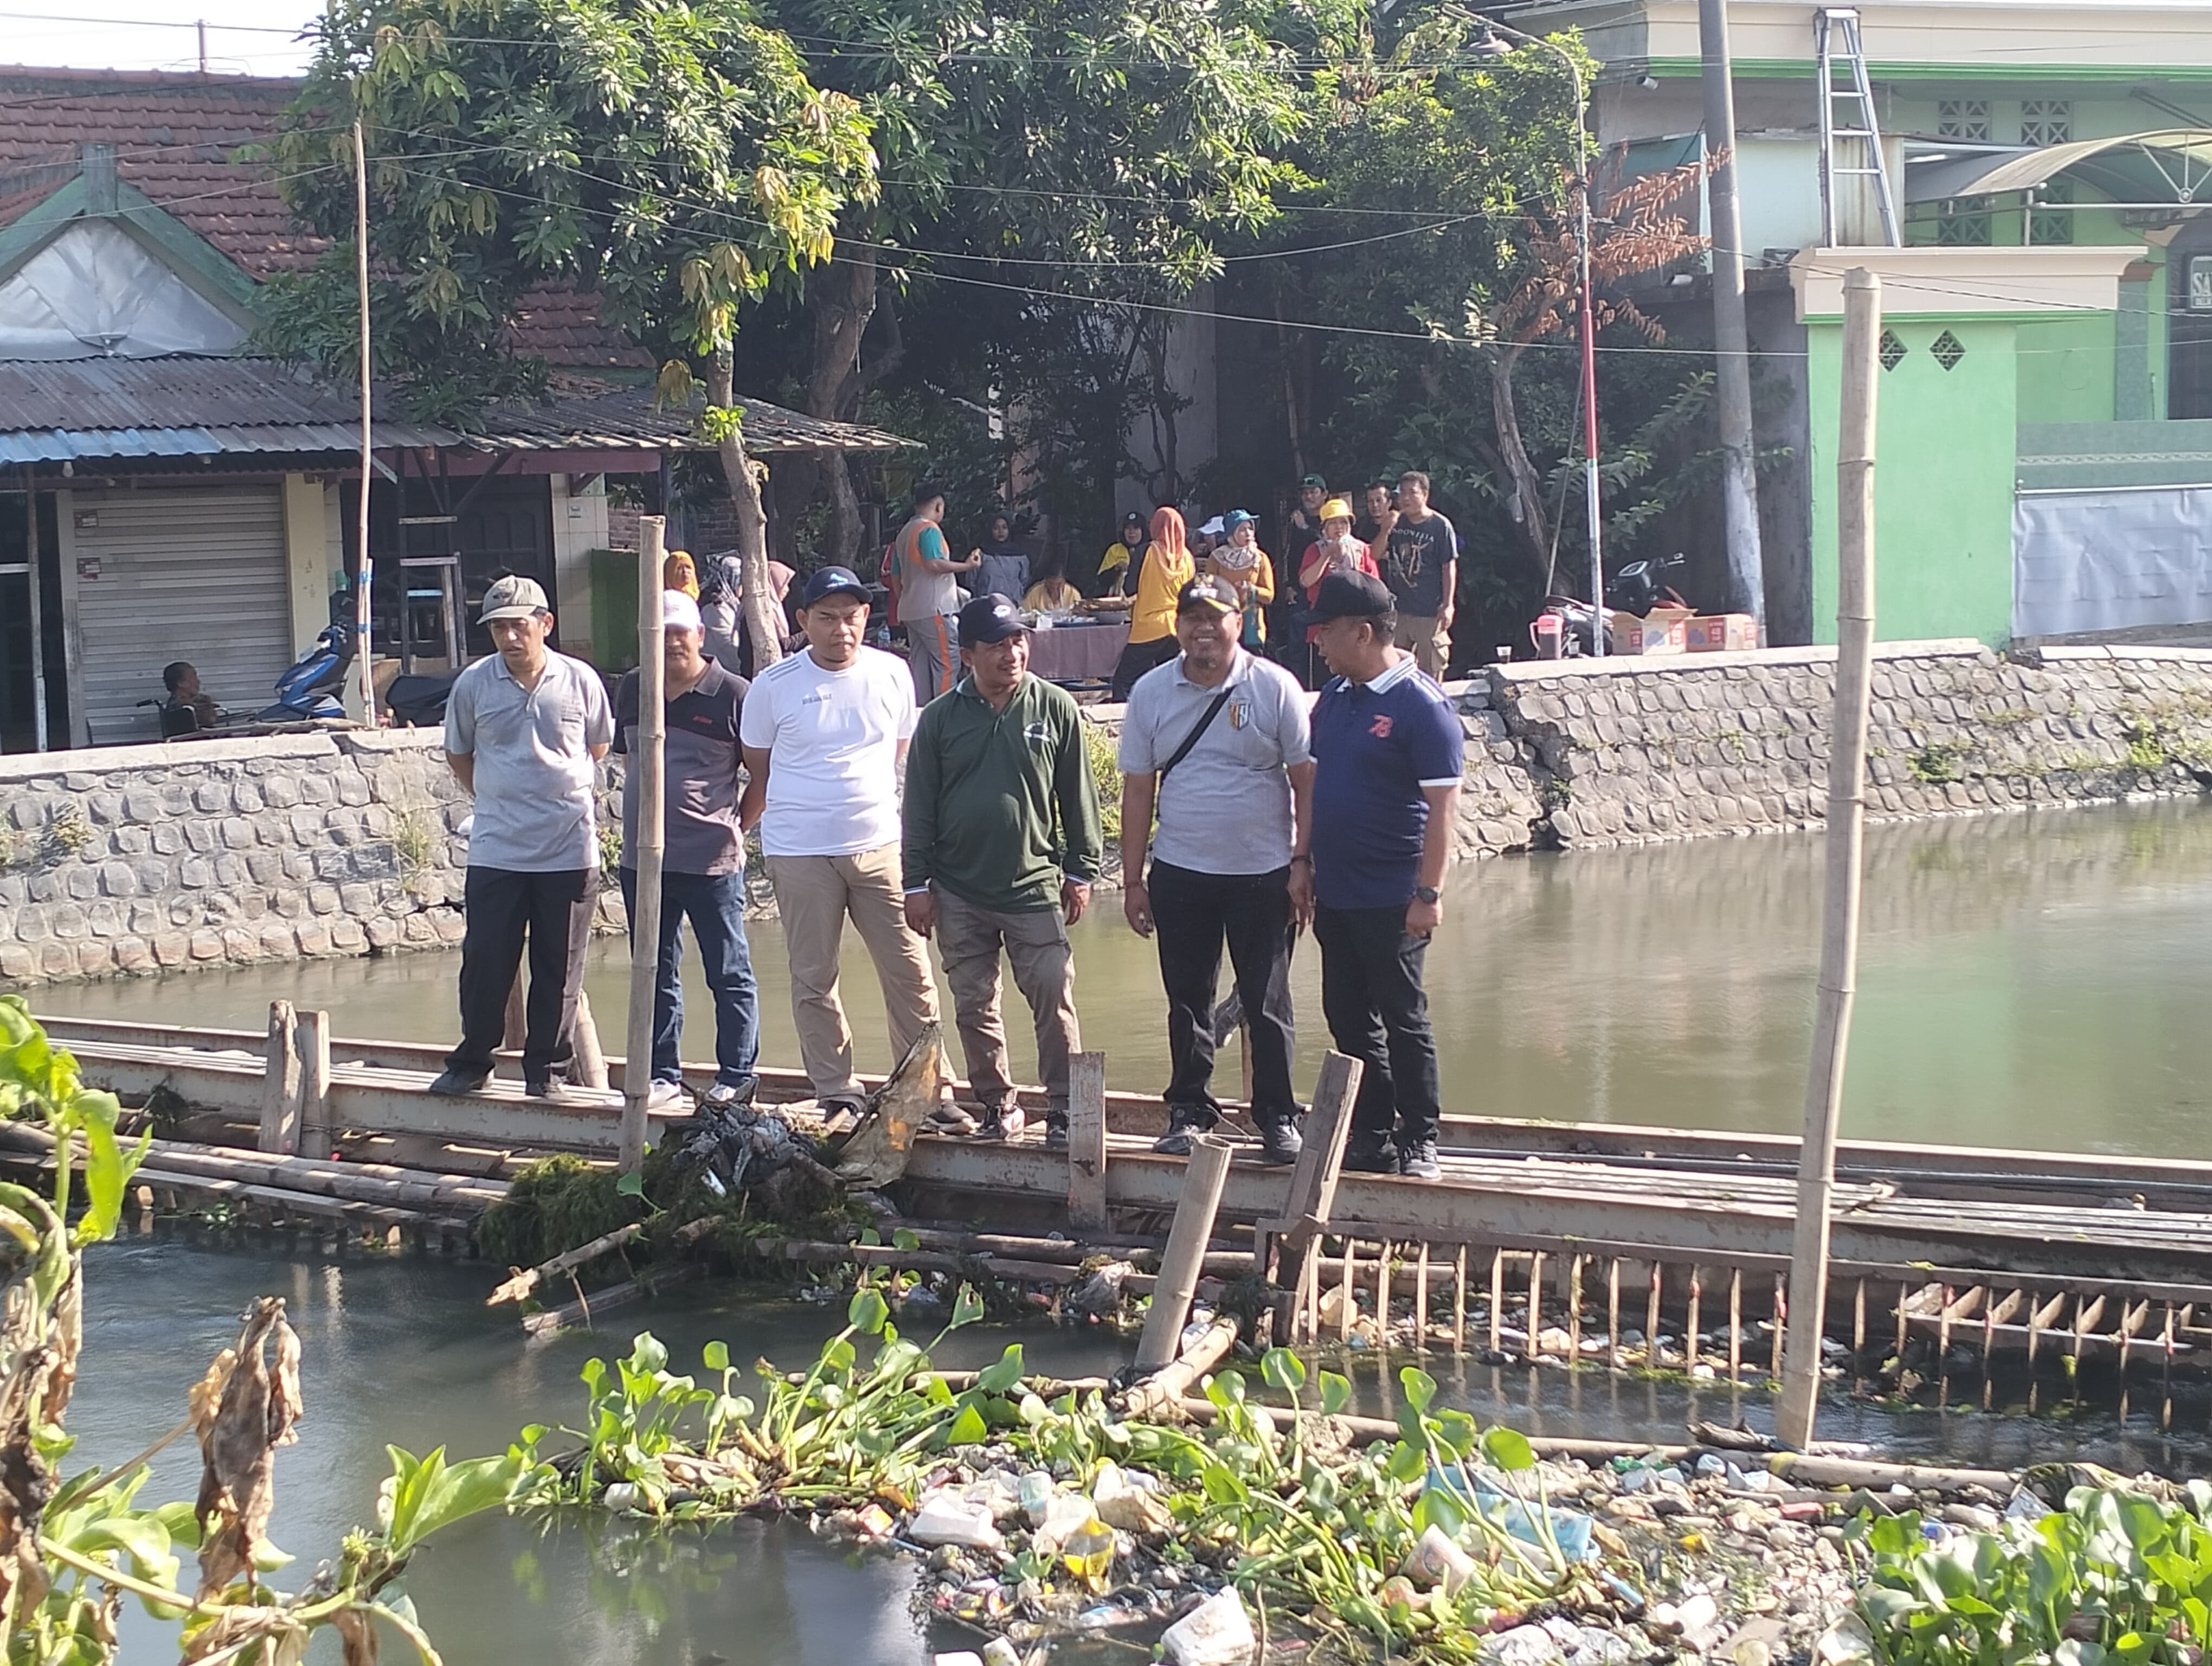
x=665 y=1096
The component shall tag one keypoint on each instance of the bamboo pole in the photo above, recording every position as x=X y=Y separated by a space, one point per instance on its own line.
x=1795 y=1412
x=1183 y=1260
x=648 y=788
x=363 y=633
x=280 y=1082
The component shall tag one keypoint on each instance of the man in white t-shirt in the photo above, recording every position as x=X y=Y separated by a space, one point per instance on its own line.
x=825 y=734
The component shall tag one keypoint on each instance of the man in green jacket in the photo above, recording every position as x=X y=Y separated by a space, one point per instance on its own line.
x=1002 y=841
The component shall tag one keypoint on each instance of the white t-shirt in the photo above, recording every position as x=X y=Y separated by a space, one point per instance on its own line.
x=832 y=738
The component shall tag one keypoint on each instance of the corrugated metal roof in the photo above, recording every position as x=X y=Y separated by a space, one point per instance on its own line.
x=74 y=409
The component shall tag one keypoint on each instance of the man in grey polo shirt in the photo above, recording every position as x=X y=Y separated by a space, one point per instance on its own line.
x=523 y=730
x=1218 y=740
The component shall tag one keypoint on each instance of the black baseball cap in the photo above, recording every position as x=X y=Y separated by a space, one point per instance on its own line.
x=1214 y=595
x=991 y=618
x=825 y=582
x=1133 y=518
x=1315 y=482
x=1352 y=596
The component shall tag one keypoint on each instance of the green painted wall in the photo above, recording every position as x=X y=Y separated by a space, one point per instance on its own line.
x=2067 y=368
x=1944 y=450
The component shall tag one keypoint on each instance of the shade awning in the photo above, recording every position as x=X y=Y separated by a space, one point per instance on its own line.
x=86 y=410
x=2170 y=164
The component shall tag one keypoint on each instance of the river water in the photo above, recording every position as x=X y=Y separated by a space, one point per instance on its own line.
x=2036 y=980
x=2032 y=980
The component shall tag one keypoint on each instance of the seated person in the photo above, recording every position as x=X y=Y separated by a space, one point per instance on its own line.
x=1052 y=592
x=183 y=683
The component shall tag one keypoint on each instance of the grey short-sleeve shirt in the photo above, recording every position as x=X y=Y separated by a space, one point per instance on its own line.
x=1226 y=807
x=534 y=772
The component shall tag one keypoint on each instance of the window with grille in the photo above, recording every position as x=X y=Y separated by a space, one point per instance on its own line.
x=2046 y=226
x=1962 y=119
x=2045 y=121
x=1963 y=220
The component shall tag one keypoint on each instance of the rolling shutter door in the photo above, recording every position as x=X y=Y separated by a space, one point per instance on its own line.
x=196 y=575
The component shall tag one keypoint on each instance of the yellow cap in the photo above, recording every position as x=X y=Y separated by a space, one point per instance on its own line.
x=1335 y=509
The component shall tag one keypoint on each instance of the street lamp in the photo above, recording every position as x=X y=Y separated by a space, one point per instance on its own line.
x=1490 y=46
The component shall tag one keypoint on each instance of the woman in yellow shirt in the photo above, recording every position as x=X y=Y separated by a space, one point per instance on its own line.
x=1052 y=592
x=1242 y=561
x=1167 y=566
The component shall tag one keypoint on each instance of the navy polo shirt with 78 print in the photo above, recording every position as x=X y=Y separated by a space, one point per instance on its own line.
x=1375 y=745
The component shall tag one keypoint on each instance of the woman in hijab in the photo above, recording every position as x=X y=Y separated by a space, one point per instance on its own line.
x=1168 y=566
x=1242 y=561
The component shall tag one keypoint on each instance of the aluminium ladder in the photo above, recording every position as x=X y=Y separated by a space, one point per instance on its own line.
x=1847 y=119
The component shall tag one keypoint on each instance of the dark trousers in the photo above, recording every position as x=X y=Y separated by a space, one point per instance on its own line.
x=1193 y=915
x=1371 y=995
x=554 y=911
x=715 y=905
x=1136 y=660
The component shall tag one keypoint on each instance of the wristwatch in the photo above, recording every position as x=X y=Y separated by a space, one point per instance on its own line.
x=1427 y=894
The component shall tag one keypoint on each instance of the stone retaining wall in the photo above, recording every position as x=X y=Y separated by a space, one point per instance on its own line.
x=1579 y=753
x=135 y=859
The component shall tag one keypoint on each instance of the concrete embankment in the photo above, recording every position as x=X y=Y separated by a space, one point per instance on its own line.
x=137 y=859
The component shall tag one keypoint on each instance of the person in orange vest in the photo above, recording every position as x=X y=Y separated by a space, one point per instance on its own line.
x=929 y=595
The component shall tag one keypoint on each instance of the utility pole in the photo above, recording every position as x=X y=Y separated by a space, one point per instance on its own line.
x=367 y=572
x=1839 y=926
x=1731 y=334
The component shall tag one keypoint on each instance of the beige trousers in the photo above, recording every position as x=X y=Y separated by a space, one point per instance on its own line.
x=815 y=896
x=969 y=939
x=1430 y=644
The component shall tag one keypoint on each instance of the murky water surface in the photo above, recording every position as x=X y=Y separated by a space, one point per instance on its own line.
x=2026 y=980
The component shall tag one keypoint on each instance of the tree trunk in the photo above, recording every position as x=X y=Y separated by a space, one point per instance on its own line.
x=843 y=296
x=764 y=615
x=1535 y=530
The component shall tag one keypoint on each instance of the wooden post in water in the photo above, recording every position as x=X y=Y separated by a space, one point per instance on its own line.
x=1184 y=1258
x=1086 y=1142
x=1840 y=927
x=317 y=1136
x=280 y=1083
x=649 y=789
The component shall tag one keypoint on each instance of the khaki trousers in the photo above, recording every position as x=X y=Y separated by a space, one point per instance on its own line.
x=969 y=939
x=1430 y=645
x=815 y=896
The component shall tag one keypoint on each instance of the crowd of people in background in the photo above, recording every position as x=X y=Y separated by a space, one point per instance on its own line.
x=953 y=798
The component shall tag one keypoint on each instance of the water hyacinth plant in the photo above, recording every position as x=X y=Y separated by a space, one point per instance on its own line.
x=2114 y=1578
x=1272 y=1501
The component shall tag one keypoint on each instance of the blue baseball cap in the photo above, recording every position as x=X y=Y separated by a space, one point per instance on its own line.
x=991 y=618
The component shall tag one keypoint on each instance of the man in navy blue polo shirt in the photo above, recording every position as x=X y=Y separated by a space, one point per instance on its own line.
x=1388 y=753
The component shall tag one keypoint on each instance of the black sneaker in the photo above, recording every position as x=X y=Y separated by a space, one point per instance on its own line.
x=545 y=1087
x=1280 y=1143
x=1417 y=1160
x=1007 y=1124
x=455 y=1082
x=1371 y=1154
x=1055 y=1133
x=1185 y=1127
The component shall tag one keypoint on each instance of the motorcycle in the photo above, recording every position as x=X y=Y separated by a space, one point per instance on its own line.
x=310 y=687
x=1567 y=628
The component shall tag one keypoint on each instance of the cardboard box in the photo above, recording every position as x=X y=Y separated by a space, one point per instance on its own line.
x=1663 y=631
x=1715 y=633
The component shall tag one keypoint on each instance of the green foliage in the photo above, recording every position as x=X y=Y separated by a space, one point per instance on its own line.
x=2114 y=1578
x=1938 y=762
x=1106 y=770
x=554 y=1204
x=674 y=158
x=39 y=1081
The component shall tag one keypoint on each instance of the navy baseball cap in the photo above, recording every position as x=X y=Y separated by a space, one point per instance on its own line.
x=991 y=618
x=1352 y=596
x=1211 y=595
x=825 y=582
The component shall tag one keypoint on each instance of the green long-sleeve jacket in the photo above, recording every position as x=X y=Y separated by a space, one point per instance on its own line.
x=999 y=806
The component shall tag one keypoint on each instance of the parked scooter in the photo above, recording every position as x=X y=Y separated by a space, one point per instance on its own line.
x=418 y=701
x=310 y=687
x=1567 y=628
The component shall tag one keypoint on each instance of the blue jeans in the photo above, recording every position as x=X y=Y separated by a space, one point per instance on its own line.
x=715 y=903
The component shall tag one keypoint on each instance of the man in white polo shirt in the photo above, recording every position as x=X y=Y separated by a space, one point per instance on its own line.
x=825 y=736
x=524 y=729
x=1218 y=740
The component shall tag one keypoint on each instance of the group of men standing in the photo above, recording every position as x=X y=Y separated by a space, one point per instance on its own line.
x=1268 y=821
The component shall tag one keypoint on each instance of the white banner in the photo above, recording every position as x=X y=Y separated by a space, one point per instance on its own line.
x=2110 y=560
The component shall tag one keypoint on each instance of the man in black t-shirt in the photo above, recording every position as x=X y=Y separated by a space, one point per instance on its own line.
x=1422 y=570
